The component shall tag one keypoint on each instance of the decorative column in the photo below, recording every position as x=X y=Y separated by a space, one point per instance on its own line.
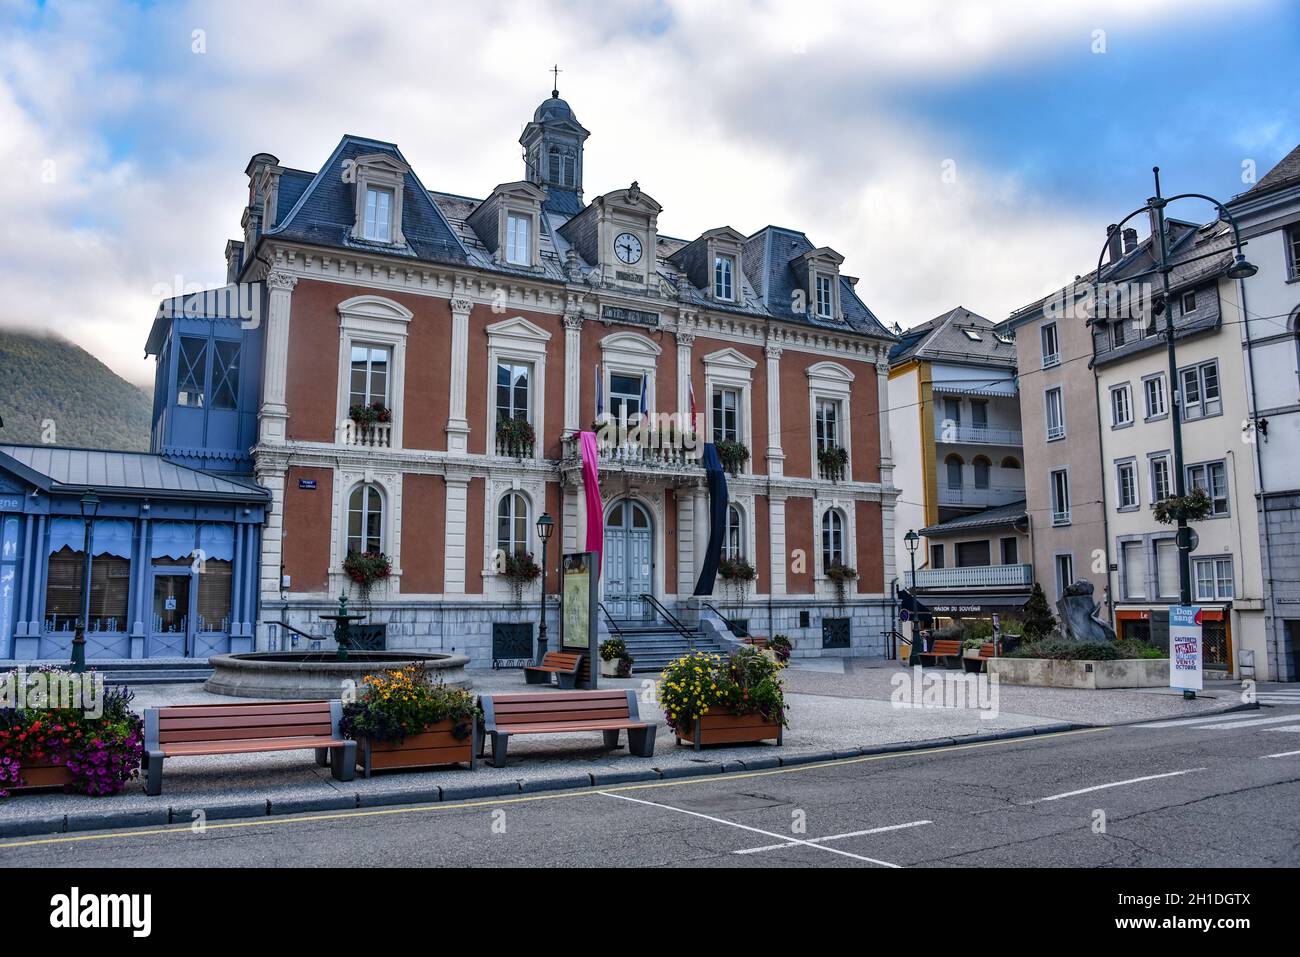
x=775 y=454
x=776 y=540
x=687 y=570
x=572 y=366
x=685 y=340
x=274 y=417
x=700 y=526
x=455 y=540
x=457 y=425
x=882 y=409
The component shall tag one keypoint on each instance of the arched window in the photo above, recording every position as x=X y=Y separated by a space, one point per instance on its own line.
x=1011 y=462
x=512 y=523
x=365 y=519
x=832 y=539
x=954 y=464
x=733 y=545
x=981 y=466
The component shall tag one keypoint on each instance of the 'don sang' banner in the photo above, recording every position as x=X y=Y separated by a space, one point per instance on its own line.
x=1185 y=663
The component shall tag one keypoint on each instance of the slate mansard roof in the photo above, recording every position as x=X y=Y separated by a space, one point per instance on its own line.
x=318 y=209
x=946 y=338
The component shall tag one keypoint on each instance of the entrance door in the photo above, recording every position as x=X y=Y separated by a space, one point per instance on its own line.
x=170 y=635
x=629 y=560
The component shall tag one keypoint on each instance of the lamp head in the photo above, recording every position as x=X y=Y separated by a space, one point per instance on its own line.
x=1241 y=269
x=545 y=526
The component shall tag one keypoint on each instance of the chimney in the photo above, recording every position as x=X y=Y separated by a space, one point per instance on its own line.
x=1113 y=243
x=1130 y=240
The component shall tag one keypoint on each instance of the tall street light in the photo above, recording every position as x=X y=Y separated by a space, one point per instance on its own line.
x=1240 y=269
x=89 y=508
x=545 y=526
x=913 y=541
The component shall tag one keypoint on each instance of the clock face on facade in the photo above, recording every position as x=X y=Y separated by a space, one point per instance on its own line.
x=627 y=248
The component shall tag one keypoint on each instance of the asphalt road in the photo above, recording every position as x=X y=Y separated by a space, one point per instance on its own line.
x=1207 y=792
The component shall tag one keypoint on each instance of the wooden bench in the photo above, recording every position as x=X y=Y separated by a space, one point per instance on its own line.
x=942 y=649
x=559 y=713
x=182 y=731
x=563 y=664
x=980 y=664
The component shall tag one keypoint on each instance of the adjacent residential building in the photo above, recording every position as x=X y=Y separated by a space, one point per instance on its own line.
x=1269 y=217
x=956 y=427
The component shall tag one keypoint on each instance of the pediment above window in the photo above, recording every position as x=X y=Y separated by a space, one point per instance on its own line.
x=379 y=181
x=519 y=334
x=731 y=359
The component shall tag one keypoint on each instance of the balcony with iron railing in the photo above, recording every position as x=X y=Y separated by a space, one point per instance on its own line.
x=969 y=496
x=952 y=434
x=974 y=576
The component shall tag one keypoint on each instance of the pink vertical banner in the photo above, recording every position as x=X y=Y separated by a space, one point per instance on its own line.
x=591 y=483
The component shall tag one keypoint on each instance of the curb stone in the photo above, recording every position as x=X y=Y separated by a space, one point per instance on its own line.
x=462 y=792
x=336 y=802
x=567 y=783
x=603 y=779
x=97 y=821
x=221 y=812
x=812 y=757
x=431 y=795
x=689 y=770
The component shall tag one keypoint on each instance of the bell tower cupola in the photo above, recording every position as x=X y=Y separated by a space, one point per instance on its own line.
x=552 y=145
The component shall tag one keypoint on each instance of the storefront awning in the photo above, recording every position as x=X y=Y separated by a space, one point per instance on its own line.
x=972 y=604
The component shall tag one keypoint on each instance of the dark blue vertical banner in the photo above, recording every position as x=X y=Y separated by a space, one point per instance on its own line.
x=717 y=480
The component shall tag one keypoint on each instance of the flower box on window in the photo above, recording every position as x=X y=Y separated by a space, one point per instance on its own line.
x=833 y=462
x=734 y=455
x=515 y=437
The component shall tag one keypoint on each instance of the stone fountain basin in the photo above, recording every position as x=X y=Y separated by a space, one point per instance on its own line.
x=319 y=674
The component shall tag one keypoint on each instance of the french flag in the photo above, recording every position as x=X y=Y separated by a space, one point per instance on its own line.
x=690 y=385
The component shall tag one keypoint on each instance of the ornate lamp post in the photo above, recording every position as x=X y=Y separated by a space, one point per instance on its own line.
x=913 y=541
x=545 y=526
x=89 y=508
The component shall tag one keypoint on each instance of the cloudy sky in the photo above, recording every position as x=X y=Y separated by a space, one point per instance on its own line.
x=956 y=153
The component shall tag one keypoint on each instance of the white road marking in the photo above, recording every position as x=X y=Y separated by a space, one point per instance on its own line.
x=1203 y=719
x=746 y=827
x=832 y=837
x=1116 y=784
x=1283 y=754
x=1289 y=727
x=1254 y=723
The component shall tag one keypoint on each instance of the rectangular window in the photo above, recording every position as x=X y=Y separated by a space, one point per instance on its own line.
x=625 y=396
x=1055 y=414
x=952 y=411
x=1121 y=406
x=1213 y=577
x=726 y=415
x=1064 y=573
x=1212 y=479
x=979 y=414
x=1051 y=348
x=1201 y=391
x=379 y=207
x=369 y=383
x=1126 y=485
x=828 y=424
x=936 y=556
x=1293 y=250
x=512 y=390
x=1060 y=480
x=192 y=375
x=1189 y=302
x=225 y=374
x=214 y=596
x=1166 y=568
x=825 y=303
x=1134 y=569
x=724 y=270
x=1010 y=551
x=1154 y=389
x=1117 y=330
x=519 y=250
x=1161 y=484
x=973 y=554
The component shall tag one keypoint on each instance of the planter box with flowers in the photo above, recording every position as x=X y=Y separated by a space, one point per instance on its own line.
x=709 y=699
x=734 y=455
x=406 y=720
x=366 y=569
x=515 y=437
x=833 y=462
x=65 y=747
x=615 y=662
x=737 y=574
x=520 y=571
x=840 y=576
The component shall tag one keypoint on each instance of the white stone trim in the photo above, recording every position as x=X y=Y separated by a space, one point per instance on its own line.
x=518 y=340
x=630 y=353
x=457 y=425
x=373 y=321
x=389 y=484
x=381 y=171
x=830 y=380
x=731 y=369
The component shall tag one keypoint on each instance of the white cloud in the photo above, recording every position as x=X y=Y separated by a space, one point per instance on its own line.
x=744 y=114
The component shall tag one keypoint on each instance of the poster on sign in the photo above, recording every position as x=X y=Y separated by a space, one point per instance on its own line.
x=1185 y=648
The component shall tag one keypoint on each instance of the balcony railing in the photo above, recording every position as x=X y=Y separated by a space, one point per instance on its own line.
x=976 y=576
x=515 y=450
x=631 y=455
x=1061 y=518
x=980 y=497
x=378 y=435
x=979 y=435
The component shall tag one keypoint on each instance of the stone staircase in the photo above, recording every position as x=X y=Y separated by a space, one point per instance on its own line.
x=143 y=671
x=653 y=645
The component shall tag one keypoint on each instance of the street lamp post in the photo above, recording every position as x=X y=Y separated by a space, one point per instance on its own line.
x=89 y=508
x=545 y=526
x=913 y=541
x=1240 y=269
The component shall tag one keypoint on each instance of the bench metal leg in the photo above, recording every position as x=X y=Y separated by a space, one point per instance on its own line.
x=534 y=677
x=611 y=739
x=566 y=680
x=343 y=761
x=499 y=744
x=641 y=742
x=153 y=763
x=322 y=757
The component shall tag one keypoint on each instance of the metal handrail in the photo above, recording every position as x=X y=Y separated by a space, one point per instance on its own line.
x=297 y=631
x=895 y=636
x=729 y=621
x=669 y=617
x=613 y=625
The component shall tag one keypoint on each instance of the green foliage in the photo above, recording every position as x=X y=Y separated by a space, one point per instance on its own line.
x=734 y=455
x=47 y=378
x=736 y=570
x=516 y=435
x=781 y=646
x=1039 y=622
x=612 y=648
x=405 y=701
x=746 y=682
x=519 y=571
x=1064 y=649
x=833 y=461
x=1192 y=507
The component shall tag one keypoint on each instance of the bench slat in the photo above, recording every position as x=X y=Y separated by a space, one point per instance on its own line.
x=515 y=707
x=500 y=701
x=198 y=748
x=570 y=717
x=575 y=726
x=247 y=734
x=265 y=707
x=243 y=721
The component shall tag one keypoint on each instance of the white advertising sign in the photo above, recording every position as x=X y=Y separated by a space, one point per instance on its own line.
x=1185 y=648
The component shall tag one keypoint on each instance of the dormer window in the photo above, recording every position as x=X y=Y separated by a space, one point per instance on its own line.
x=518 y=243
x=825 y=298
x=379 y=214
x=724 y=281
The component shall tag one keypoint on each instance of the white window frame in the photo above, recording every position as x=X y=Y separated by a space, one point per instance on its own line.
x=365 y=510
x=1051 y=358
x=829 y=301
x=1121 y=406
x=519 y=253
x=379 y=323
x=1060 y=516
x=724 y=278
x=834 y=382
x=518 y=341
x=839 y=514
x=1158 y=381
x=373 y=228
x=1205 y=469
x=731 y=369
x=1224 y=589
x=1124 y=551
x=1054 y=435
x=1163 y=589
x=510 y=494
x=1165 y=459
x=1202 y=408
x=1122 y=467
x=385 y=172
x=737 y=394
x=736 y=550
x=1063 y=583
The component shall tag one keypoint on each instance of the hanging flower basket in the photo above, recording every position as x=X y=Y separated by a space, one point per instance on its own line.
x=840 y=576
x=367 y=568
x=736 y=573
x=834 y=461
x=366 y=416
x=520 y=571
x=734 y=455
x=1192 y=507
x=515 y=436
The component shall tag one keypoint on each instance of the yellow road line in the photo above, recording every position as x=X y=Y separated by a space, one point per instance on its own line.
x=552 y=796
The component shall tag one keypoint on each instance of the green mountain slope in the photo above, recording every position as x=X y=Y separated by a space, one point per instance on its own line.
x=56 y=392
